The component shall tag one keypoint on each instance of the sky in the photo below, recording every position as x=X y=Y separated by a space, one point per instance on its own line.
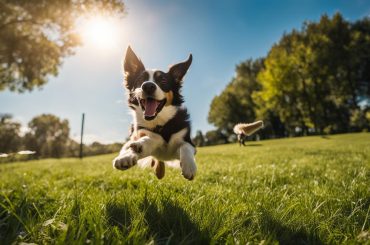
x=219 y=34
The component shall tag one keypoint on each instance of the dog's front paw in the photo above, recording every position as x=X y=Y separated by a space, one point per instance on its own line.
x=136 y=147
x=125 y=161
x=188 y=170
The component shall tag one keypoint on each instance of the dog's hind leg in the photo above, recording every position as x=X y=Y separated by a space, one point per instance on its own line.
x=187 y=161
x=239 y=140
x=243 y=137
x=158 y=167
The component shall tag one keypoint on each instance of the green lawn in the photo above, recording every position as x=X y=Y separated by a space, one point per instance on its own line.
x=289 y=191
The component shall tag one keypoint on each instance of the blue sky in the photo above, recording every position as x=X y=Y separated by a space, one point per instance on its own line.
x=219 y=34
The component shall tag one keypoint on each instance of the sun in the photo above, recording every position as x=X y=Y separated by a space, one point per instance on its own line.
x=100 y=32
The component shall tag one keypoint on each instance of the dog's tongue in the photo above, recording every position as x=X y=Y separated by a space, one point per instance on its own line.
x=150 y=107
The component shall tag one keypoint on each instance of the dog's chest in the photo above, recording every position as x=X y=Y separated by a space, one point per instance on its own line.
x=168 y=150
x=167 y=137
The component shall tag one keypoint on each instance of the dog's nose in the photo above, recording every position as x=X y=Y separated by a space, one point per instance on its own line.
x=148 y=88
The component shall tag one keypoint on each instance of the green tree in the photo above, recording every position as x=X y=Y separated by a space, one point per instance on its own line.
x=199 y=138
x=285 y=84
x=360 y=47
x=48 y=136
x=216 y=137
x=35 y=36
x=10 y=140
x=313 y=78
x=97 y=148
x=312 y=81
x=235 y=104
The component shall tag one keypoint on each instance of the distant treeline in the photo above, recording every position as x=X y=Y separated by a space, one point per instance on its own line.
x=315 y=80
x=48 y=136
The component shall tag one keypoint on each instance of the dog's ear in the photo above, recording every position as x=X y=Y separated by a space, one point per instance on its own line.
x=133 y=67
x=179 y=70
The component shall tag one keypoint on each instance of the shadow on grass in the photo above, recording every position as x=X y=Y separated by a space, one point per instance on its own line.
x=273 y=227
x=17 y=214
x=167 y=222
x=170 y=224
x=9 y=224
x=119 y=215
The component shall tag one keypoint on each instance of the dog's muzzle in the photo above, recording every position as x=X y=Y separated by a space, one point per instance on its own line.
x=149 y=88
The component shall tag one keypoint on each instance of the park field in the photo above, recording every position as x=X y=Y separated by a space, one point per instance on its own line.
x=309 y=190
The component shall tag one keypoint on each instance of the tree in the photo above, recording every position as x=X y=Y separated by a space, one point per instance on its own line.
x=235 y=103
x=216 y=137
x=48 y=136
x=313 y=78
x=35 y=36
x=97 y=148
x=285 y=84
x=10 y=140
x=199 y=138
x=360 y=47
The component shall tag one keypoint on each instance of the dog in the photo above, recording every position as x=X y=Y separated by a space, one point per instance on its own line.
x=242 y=130
x=161 y=125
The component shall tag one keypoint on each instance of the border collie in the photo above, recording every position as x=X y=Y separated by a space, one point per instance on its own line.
x=242 y=130
x=161 y=126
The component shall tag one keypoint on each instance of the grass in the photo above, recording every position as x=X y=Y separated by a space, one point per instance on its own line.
x=291 y=191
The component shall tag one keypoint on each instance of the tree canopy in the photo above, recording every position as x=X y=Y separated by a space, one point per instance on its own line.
x=9 y=134
x=35 y=36
x=48 y=135
x=312 y=81
x=235 y=103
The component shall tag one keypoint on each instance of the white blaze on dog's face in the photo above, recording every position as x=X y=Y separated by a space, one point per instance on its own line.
x=151 y=97
x=152 y=90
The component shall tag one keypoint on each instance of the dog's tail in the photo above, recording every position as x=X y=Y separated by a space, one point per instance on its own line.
x=248 y=128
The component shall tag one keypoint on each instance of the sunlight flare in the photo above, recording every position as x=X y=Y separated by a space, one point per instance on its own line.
x=100 y=31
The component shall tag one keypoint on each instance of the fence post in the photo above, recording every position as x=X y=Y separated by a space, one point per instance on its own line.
x=82 y=133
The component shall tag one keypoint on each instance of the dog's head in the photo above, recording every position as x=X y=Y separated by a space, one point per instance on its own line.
x=152 y=90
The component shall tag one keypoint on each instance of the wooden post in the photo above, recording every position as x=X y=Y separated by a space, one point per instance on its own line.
x=82 y=133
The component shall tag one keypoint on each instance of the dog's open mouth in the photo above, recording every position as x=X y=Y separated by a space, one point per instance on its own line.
x=151 y=107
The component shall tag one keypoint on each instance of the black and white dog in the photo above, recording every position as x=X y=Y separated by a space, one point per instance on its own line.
x=161 y=126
